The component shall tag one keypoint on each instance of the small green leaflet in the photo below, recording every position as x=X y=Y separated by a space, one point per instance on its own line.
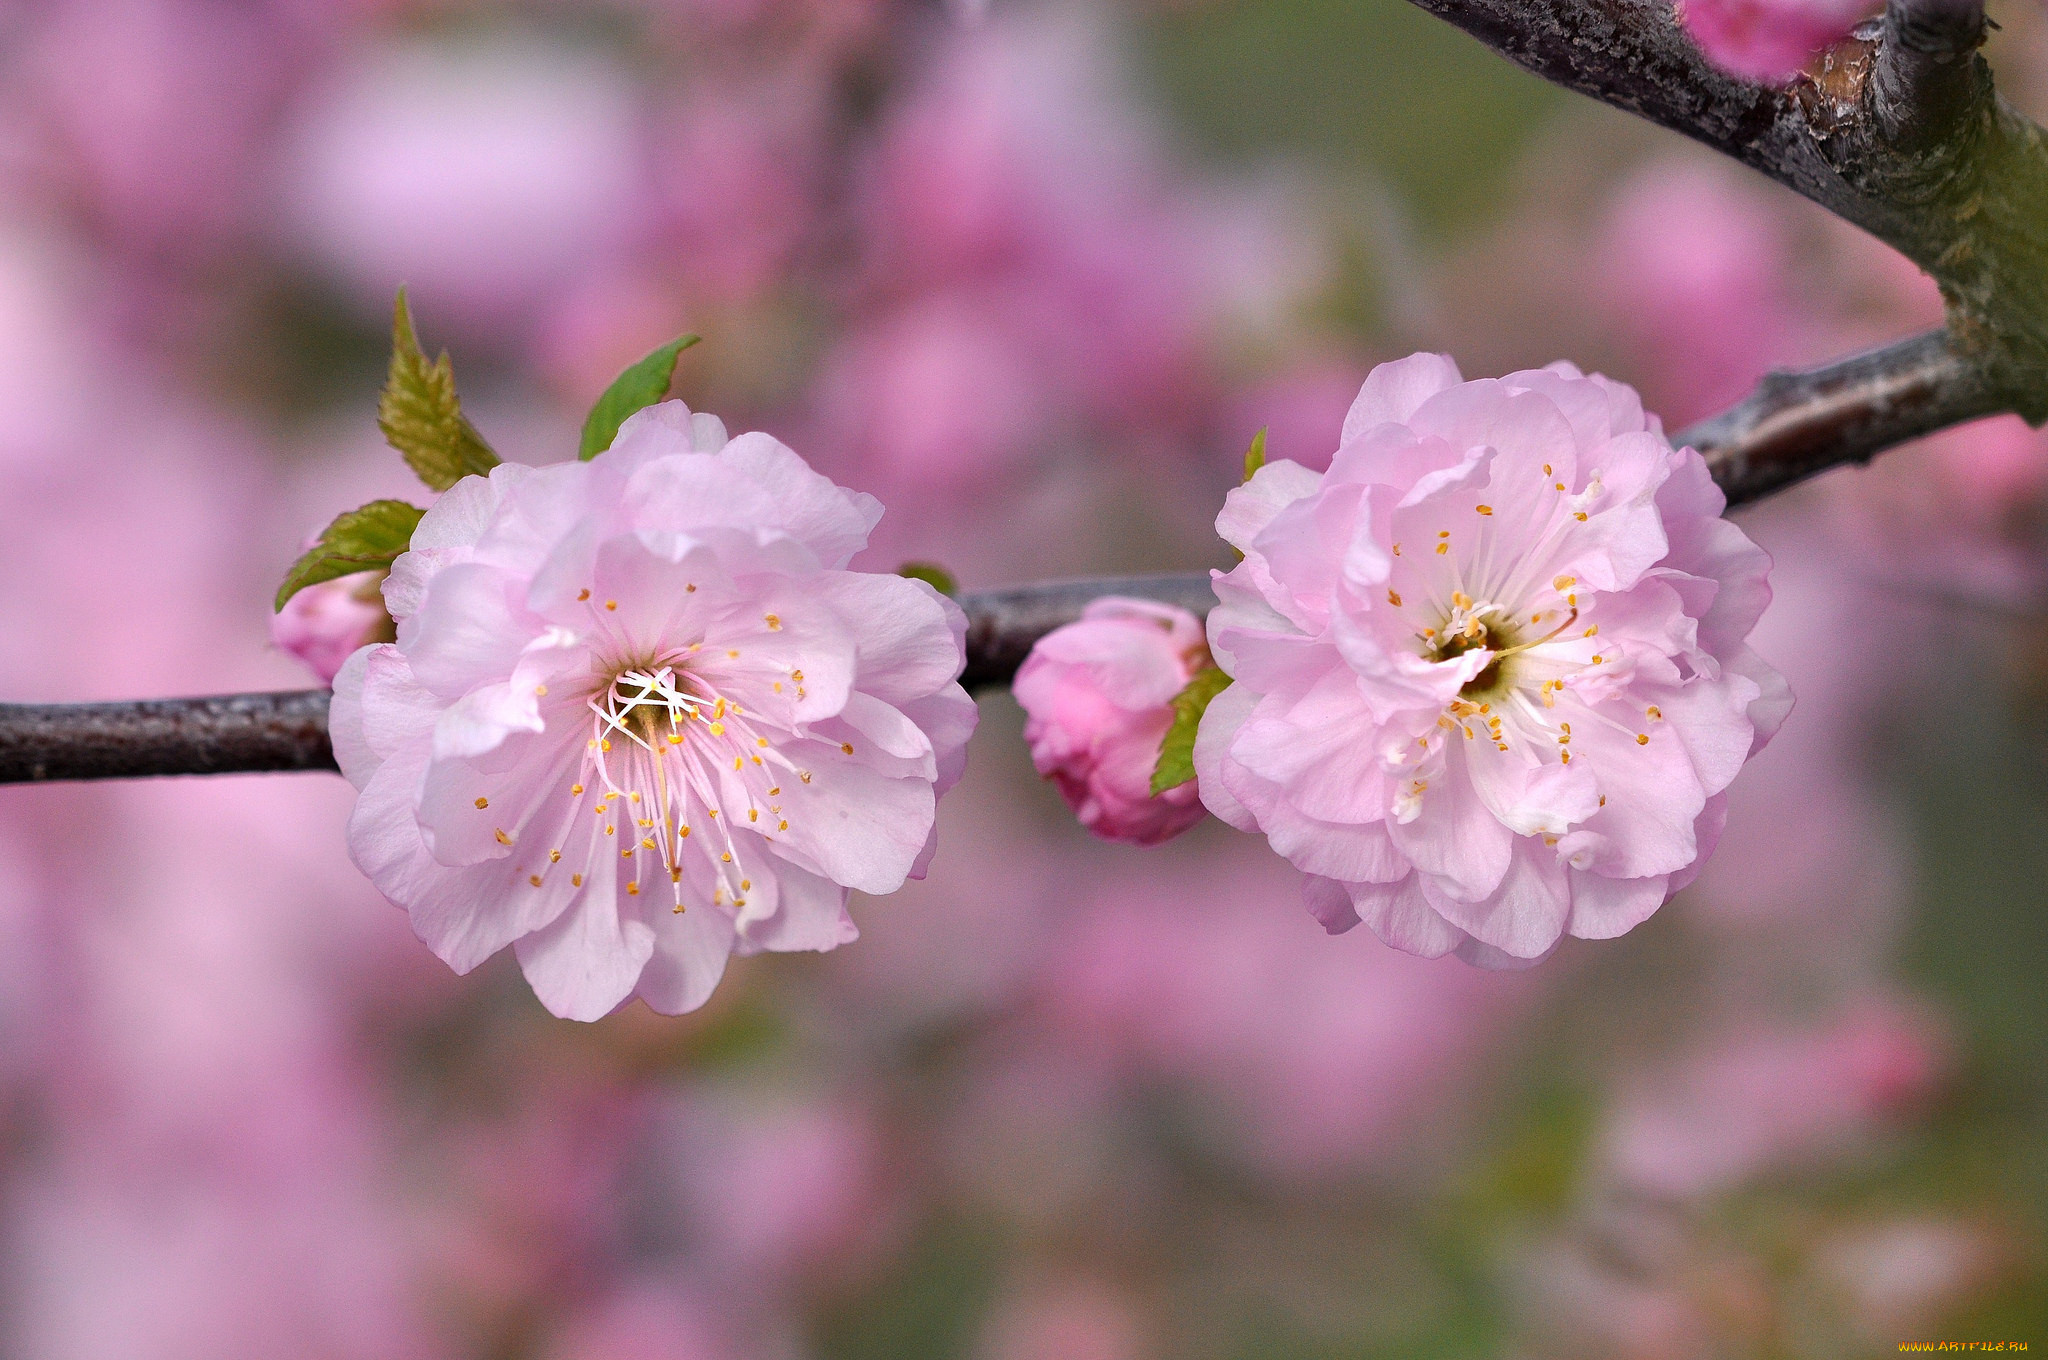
x=1255 y=456
x=932 y=574
x=363 y=539
x=645 y=383
x=420 y=415
x=1177 y=752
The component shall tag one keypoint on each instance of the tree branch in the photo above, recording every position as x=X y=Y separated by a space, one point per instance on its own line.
x=227 y=734
x=253 y=733
x=1898 y=131
x=1798 y=424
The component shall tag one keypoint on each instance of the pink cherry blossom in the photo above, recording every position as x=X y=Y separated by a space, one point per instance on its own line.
x=639 y=717
x=1768 y=39
x=1099 y=693
x=1491 y=670
x=324 y=623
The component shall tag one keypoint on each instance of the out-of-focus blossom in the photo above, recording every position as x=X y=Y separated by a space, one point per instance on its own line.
x=1099 y=693
x=46 y=356
x=759 y=1191
x=1578 y=1302
x=645 y=1320
x=1993 y=467
x=179 y=1252
x=1066 y=1320
x=322 y=624
x=1297 y=409
x=154 y=112
x=1767 y=1099
x=739 y=186
x=1768 y=39
x=1812 y=859
x=212 y=1185
x=1695 y=271
x=639 y=717
x=1491 y=669
x=1036 y=267
x=485 y=177
x=1905 y=1276
x=939 y=394
x=1320 y=1055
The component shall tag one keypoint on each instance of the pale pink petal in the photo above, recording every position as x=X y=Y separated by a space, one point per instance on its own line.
x=1400 y=915
x=587 y=960
x=1392 y=392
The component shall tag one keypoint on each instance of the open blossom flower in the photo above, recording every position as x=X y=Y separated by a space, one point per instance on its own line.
x=640 y=717
x=1099 y=693
x=322 y=625
x=1491 y=676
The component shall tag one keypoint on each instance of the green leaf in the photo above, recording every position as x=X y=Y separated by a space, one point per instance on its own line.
x=643 y=384
x=932 y=574
x=364 y=539
x=1177 y=752
x=420 y=415
x=1255 y=456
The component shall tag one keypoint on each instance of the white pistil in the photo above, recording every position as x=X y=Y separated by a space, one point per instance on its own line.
x=677 y=732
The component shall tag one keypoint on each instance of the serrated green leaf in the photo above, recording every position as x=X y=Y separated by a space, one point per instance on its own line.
x=645 y=383
x=420 y=415
x=1176 y=765
x=363 y=539
x=1255 y=456
x=932 y=574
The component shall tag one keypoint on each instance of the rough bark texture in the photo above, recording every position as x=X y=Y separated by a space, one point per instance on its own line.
x=1797 y=424
x=1898 y=130
x=227 y=734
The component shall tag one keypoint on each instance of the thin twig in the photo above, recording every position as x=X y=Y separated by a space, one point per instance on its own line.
x=225 y=734
x=251 y=733
x=1798 y=424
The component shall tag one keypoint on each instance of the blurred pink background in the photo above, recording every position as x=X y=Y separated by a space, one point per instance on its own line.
x=1031 y=272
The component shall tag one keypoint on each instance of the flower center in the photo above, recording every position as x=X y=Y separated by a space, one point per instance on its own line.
x=1476 y=627
x=667 y=749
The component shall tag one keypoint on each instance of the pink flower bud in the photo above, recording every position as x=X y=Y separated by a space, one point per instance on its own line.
x=1099 y=693
x=323 y=623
